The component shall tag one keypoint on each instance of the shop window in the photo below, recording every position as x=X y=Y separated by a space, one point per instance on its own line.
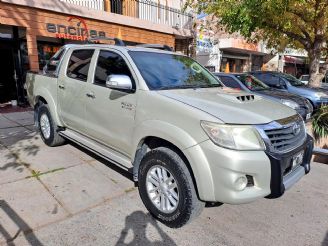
x=45 y=52
x=79 y=63
x=110 y=63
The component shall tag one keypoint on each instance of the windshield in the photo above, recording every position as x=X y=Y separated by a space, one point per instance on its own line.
x=291 y=79
x=305 y=77
x=170 y=71
x=252 y=83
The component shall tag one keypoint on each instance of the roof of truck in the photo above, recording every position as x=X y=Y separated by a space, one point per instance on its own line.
x=118 y=47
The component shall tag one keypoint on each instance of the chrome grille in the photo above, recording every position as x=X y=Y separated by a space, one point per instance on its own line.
x=284 y=135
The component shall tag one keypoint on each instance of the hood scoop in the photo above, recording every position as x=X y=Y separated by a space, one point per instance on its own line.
x=246 y=98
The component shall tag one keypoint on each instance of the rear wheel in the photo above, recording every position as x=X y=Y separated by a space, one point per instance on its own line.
x=48 y=127
x=167 y=189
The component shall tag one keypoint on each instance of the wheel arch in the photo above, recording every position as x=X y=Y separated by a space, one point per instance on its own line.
x=152 y=142
x=46 y=98
x=157 y=133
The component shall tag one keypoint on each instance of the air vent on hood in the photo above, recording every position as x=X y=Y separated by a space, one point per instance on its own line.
x=246 y=98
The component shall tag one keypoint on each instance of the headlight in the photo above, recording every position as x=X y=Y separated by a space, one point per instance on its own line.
x=236 y=137
x=290 y=104
x=320 y=94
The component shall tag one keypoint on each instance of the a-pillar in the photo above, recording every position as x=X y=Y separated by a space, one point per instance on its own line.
x=32 y=48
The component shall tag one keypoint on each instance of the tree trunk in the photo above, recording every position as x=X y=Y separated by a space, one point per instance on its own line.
x=315 y=74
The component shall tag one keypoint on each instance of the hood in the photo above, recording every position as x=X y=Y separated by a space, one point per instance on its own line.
x=282 y=95
x=231 y=106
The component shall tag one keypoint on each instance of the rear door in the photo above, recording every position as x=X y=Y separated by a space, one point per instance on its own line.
x=72 y=85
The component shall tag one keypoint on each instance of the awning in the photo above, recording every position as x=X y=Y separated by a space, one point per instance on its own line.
x=294 y=60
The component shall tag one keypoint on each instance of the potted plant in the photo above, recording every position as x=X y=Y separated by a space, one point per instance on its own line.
x=320 y=134
x=320 y=124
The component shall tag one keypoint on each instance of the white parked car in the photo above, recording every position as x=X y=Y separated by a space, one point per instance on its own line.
x=305 y=79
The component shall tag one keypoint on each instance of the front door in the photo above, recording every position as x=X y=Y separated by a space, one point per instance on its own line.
x=71 y=89
x=110 y=113
x=8 y=89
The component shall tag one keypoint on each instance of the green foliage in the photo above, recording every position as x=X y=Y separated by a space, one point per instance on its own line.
x=320 y=123
x=296 y=23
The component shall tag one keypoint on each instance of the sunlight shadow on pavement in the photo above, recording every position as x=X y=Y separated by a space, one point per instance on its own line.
x=137 y=222
x=20 y=223
x=325 y=240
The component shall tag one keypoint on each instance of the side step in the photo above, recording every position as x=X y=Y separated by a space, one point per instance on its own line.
x=97 y=148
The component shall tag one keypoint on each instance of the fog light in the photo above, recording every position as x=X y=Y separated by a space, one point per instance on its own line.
x=241 y=183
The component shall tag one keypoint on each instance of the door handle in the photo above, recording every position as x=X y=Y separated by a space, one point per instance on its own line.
x=61 y=87
x=91 y=95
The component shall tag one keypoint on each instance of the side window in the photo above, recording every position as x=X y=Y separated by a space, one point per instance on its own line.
x=110 y=63
x=230 y=82
x=271 y=79
x=52 y=65
x=79 y=63
x=258 y=76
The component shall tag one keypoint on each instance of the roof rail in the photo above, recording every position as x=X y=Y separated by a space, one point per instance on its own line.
x=156 y=46
x=118 y=41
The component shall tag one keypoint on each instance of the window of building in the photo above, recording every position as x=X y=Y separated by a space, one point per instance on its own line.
x=45 y=52
x=79 y=63
x=110 y=63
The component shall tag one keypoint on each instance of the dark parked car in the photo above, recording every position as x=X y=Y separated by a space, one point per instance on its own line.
x=286 y=82
x=249 y=83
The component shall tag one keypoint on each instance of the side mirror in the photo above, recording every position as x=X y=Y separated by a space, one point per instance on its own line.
x=119 y=82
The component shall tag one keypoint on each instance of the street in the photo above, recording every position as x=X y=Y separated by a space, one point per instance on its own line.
x=68 y=196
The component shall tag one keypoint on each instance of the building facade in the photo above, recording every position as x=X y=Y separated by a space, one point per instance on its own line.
x=223 y=52
x=32 y=31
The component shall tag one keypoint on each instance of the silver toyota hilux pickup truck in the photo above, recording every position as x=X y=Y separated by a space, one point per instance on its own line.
x=186 y=139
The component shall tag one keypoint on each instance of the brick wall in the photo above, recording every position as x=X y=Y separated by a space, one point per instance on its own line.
x=35 y=20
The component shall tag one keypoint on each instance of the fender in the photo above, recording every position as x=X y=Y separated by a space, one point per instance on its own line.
x=43 y=92
x=181 y=139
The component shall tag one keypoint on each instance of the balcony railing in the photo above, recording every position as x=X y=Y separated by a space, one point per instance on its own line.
x=142 y=9
x=91 y=4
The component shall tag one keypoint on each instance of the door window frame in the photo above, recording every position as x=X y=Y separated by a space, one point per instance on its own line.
x=133 y=74
x=69 y=58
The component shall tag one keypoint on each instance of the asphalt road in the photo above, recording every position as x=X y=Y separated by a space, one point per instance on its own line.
x=64 y=196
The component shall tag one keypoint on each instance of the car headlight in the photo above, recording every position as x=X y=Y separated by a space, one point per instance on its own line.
x=238 y=137
x=320 y=94
x=290 y=104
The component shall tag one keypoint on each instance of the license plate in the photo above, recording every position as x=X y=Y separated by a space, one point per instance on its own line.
x=308 y=116
x=298 y=159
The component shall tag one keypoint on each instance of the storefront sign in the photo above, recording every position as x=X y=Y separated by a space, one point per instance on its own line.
x=77 y=31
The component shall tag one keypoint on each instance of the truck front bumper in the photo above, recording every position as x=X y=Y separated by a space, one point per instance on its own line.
x=269 y=174
x=282 y=174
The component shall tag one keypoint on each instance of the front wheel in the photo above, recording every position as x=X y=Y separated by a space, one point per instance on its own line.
x=167 y=189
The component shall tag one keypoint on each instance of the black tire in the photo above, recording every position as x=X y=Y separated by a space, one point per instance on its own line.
x=53 y=139
x=188 y=206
